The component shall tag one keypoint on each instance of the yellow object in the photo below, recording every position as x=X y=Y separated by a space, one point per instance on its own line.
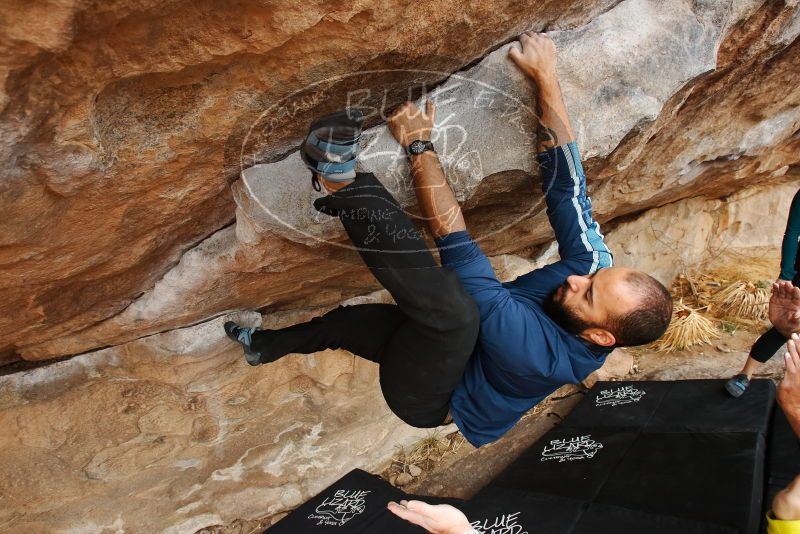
x=779 y=526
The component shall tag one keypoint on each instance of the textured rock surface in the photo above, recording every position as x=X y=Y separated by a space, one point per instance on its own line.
x=720 y=131
x=125 y=124
x=486 y=114
x=122 y=124
x=177 y=425
x=680 y=236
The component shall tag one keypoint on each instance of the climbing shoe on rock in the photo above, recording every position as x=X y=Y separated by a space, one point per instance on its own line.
x=331 y=146
x=243 y=336
x=737 y=385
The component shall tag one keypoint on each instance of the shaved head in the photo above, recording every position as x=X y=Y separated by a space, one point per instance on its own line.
x=615 y=306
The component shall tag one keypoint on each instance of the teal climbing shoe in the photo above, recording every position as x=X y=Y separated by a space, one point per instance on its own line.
x=243 y=336
x=737 y=385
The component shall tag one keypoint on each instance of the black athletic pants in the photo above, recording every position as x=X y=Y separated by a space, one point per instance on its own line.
x=424 y=341
x=770 y=341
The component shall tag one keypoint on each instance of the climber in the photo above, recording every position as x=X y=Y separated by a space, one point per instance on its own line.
x=459 y=344
x=770 y=341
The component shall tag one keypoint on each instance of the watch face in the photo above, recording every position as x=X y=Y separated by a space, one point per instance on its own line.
x=417 y=147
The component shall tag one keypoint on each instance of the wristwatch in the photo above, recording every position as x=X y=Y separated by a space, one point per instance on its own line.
x=419 y=146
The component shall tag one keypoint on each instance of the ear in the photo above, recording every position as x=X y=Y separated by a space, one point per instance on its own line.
x=599 y=336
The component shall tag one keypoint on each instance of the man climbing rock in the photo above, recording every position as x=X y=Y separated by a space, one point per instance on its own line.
x=459 y=343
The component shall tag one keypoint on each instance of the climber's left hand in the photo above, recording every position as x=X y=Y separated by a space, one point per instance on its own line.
x=409 y=123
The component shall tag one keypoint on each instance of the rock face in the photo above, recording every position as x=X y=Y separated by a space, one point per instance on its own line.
x=486 y=114
x=175 y=432
x=122 y=124
x=722 y=115
x=130 y=231
x=681 y=236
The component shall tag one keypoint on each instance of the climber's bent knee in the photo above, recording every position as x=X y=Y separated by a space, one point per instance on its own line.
x=423 y=418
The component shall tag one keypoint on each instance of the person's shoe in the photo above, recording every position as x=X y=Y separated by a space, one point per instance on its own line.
x=737 y=385
x=331 y=148
x=243 y=336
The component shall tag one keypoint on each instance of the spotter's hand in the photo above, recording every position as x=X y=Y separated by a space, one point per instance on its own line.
x=784 y=308
x=438 y=519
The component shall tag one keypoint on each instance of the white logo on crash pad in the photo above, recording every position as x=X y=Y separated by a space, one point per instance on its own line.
x=621 y=395
x=567 y=450
x=504 y=524
x=342 y=507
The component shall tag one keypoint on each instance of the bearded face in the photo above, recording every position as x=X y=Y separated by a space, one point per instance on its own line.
x=563 y=314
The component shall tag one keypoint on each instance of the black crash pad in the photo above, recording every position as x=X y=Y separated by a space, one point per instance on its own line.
x=350 y=505
x=674 y=406
x=617 y=405
x=619 y=520
x=568 y=463
x=783 y=463
x=712 y=477
x=355 y=504
x=496 y=509
x=632 y=457
x=680 y=454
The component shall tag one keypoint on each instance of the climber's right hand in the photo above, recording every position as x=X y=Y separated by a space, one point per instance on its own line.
x=535 y=55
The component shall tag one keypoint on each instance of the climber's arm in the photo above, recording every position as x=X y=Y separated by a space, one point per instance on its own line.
x=438 y=205
x=436 y=200
x=580 y=243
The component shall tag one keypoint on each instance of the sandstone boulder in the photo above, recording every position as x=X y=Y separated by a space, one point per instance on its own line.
x=130 y=233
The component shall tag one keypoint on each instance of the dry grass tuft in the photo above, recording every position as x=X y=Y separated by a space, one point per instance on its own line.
x=744 y=268
x=730 y=293
x=743 y=300
x=721 y=298
x=687 y=329
x=424 y=454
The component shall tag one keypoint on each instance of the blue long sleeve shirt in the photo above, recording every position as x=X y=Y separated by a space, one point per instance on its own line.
x=522 y=355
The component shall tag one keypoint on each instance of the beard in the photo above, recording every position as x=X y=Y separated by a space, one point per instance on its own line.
x=565 y=316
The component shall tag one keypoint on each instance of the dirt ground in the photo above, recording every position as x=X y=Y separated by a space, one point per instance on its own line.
x=722 y=359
